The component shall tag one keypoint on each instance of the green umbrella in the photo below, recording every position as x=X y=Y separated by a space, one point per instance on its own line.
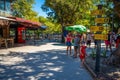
x=69 y=28
x=80 y=28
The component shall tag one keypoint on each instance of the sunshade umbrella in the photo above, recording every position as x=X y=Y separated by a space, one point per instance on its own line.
x=80 y=28
x=69 y=28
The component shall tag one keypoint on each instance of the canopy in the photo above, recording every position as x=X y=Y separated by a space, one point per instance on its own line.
x=69 y=28
x=28 y=23
x=78 y=28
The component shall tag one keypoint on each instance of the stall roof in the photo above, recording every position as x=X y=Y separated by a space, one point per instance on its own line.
x=29 y=23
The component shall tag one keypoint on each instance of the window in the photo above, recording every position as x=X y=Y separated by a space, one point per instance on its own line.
x=1 y=4
x=8 y=5
x=5 y=6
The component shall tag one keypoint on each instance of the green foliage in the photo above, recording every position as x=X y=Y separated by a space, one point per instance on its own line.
x=23 y=9
x=112 y=14
x=52 y=27
x=69 y=12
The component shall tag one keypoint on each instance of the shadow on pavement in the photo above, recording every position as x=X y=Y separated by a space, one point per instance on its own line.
x=58 y=44
x=43 y=65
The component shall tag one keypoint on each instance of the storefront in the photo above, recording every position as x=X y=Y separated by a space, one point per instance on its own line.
x=12 y=29
x=19 y=28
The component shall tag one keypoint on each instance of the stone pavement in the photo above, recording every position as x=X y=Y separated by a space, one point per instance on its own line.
x=46 y=61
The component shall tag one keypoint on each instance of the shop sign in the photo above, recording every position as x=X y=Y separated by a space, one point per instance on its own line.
x=102 y=20
x=97 y=12
x=100 y=36
x=96 y=28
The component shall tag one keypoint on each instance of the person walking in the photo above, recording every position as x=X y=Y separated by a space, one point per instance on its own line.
x=118 y=41
x=76 y=45
x=89 y=38
x=68 y=41
x=108 y=41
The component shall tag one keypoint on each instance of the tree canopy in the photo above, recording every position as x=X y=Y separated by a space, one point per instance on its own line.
x=23 y=9
x=69 y=12
x=66 y=12
x=52 y=27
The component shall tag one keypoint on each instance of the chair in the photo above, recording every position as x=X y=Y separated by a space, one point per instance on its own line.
x=3 y=42
x=10 y=41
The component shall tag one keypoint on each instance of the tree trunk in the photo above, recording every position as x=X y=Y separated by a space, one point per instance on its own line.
x=62 y=37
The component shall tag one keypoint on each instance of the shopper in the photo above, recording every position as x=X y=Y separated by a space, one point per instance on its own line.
x=68 y=41
x=76 y=45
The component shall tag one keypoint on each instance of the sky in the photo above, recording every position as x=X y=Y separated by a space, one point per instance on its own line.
x=37 y=7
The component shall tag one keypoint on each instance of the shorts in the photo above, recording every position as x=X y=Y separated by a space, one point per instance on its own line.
x=68 y=43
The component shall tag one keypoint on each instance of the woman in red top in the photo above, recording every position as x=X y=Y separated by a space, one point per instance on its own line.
x=83 y=52
x=68 y=41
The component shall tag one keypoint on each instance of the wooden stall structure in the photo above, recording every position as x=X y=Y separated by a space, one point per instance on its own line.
x=5 y=39
x=19 y=26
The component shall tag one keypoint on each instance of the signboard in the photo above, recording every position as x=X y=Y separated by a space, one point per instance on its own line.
x=97 y=12
x=102 y=20
x=100 y=36
x=96 y=28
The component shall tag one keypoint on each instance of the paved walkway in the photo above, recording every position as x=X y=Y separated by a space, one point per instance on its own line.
x=41 y=62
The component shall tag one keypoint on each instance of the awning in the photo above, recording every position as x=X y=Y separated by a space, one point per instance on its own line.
x=27 y=23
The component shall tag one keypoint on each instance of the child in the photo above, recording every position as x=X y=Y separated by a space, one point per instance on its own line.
x=82 y=54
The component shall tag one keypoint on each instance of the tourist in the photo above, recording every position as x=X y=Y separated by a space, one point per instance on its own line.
x=118 y=41
x=108 y=41
x=89 y=38
x=68 y=41
x=76 y=45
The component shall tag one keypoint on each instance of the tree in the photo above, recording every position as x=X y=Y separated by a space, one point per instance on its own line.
x=67 y=12
x=52 y=27
x=117 y=6
x=23 y=9
x=113 y=11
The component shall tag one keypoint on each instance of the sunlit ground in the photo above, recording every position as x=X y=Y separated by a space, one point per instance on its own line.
x=41 y=62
